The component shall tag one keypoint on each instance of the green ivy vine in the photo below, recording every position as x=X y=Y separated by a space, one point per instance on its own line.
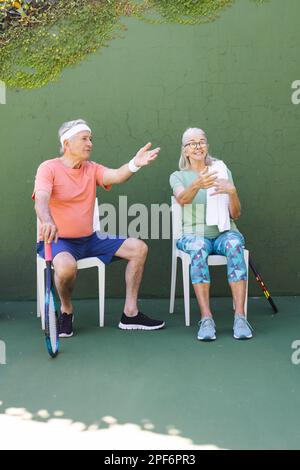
x=43 y=38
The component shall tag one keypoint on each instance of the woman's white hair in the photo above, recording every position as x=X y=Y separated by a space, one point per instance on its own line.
x=66 y=126
x=191 y=132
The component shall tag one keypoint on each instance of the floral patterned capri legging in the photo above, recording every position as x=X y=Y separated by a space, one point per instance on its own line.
x=229 y=244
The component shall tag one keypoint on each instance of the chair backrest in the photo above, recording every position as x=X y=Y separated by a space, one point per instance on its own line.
x=96 y=220
x=176 y=211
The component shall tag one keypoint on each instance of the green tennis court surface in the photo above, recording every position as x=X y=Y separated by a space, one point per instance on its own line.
x=113 y=389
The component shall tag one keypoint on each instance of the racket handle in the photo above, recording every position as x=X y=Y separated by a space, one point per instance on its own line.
x=48 y=252
x=273 y=305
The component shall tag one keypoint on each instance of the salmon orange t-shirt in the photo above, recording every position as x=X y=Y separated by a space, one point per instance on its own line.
x=73 y=193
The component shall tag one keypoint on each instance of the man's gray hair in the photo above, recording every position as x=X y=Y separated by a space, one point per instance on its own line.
x=191 y=132
x=65 y=127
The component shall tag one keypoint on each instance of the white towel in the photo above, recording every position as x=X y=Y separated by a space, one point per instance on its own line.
x=217 y=208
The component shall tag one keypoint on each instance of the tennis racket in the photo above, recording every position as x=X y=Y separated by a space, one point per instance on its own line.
x=262 y=286
x=51 y=317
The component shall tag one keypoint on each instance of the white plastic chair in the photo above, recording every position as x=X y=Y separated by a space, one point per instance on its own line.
x=81 y=264
x=213 y=260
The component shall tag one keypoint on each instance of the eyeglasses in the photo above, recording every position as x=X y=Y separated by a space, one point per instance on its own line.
x=195 y=145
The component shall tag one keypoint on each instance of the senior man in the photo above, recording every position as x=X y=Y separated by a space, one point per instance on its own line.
x=64 y=194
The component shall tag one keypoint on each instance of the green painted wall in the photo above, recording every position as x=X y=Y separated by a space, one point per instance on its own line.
x=232 y=77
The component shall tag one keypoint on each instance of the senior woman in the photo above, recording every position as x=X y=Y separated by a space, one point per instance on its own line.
x=204 y=185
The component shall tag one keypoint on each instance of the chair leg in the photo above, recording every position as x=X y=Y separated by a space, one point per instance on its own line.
x=173 y=283
x=246 y=301
x=38 y=306
x=186 y=290
x=101 y=277
x=246 y=255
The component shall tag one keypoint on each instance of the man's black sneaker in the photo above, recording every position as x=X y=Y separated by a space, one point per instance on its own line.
x=65 y=325
x=140 y=322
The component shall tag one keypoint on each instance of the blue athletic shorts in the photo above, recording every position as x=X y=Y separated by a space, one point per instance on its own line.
x=97 y=245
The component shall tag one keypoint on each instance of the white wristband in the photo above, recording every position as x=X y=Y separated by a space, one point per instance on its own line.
x=132 y=167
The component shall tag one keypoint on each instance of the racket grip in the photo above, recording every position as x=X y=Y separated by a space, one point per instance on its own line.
x=48 y=252
x=273 y=305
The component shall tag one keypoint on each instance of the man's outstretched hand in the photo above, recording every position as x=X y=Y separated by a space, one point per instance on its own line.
x=145 y=156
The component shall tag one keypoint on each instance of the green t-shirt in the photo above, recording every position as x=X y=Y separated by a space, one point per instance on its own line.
x=194 y=214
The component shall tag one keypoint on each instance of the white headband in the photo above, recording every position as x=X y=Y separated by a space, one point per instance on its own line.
x=79 y=128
